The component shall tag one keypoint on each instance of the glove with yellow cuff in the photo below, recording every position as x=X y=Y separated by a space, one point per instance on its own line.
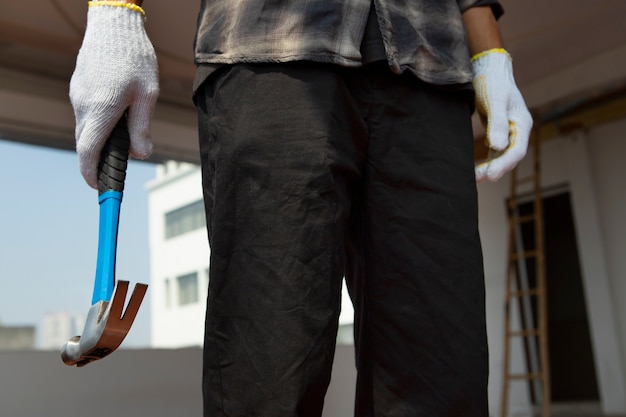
x=503 y=112
x=116 y=71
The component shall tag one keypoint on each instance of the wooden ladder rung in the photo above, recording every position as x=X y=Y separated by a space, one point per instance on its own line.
x=525 y=376
x=524 y=333
x=524 y=219
x=523 y=293
x=525 y=180
x=522 y=255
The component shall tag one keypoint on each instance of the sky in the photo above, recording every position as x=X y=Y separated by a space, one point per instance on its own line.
x=49 y=234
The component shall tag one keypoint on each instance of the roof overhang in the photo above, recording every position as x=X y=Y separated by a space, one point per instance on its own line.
x=566 y=53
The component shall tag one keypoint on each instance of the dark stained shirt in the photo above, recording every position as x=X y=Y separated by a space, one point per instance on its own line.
x=425 y=37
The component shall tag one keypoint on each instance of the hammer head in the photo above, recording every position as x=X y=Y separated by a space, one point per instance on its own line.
x=105 y=328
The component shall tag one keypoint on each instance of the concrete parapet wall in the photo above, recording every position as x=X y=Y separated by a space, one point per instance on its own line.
x=129 y=383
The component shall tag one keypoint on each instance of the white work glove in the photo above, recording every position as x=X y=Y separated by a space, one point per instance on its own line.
x=116 y=70
x=503 y=112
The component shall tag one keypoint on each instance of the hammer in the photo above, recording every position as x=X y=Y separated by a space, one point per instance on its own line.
x=107 y=324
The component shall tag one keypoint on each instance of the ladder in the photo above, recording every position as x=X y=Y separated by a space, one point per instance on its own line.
x=531 y=300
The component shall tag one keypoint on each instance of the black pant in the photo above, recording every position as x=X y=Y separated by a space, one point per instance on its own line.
x=314 y=171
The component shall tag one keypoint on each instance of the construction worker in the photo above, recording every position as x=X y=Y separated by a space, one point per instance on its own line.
x=335 y=140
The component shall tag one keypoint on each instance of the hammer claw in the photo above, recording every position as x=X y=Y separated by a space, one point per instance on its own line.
x=134 y=303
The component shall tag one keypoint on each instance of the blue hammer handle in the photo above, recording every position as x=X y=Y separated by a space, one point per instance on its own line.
x=111 y=176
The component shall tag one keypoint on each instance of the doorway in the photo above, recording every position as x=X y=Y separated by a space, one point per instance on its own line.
x=572 y=367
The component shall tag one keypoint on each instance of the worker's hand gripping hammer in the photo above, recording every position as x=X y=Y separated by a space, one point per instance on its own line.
x=107 y=324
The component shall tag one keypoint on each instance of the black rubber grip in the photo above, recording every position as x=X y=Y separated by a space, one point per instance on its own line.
x=114 y=159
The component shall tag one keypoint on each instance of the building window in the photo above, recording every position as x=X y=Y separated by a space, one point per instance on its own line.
x=188 y=289
x=184 y=219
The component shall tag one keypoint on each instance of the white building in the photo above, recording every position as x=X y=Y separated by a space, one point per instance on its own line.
x=17 y=338
x=57 y=328
x=179 y=253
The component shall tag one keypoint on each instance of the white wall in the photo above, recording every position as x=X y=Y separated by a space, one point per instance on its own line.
x=607 y=155
x=598 y=172
x=174 y=325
